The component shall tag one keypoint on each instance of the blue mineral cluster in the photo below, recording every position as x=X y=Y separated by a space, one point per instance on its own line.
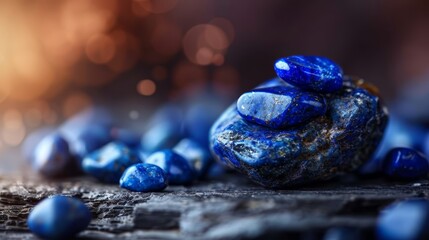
x=338 y=123
x=59 y=217
x=173 y=150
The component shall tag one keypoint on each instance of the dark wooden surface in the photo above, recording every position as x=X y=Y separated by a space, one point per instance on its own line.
x=227 y=208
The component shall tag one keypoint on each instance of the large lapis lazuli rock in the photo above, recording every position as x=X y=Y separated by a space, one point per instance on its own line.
x=336 y=142
x=313 y=73
x=281 y=106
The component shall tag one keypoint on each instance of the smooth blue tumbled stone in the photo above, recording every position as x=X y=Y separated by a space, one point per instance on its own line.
x=108 y=163
x=144 y=177
x=198 y=157
x=59 y=217
x=406 y=220
x=313 y=73
x=280 y=106
x=51 y=156
x=405 y=164
x=32 y=140
x=177 y=168
x=87 y=131
x=164 y=129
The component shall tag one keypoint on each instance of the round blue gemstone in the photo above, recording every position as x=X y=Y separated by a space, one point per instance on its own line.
x=52 y=156
x=177 y=168
x=197 y=156
x=108 y=163
x=406 y=220
x=279 y=107
x=143 y=177
x=313 y=73
x=59 y=217
x=405 y=164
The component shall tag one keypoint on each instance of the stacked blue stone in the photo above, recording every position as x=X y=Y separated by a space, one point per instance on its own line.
x=144 y=177
x=405 y=164
x=280 y=106
x=318 y=74
x=405 y=220
x=109 y=162
x=178 y=170
x=309 y=125
x=59 y=217
x=52 y=156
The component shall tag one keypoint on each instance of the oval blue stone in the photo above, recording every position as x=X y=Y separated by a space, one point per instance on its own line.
x=51 y=156
x=197 y=156
x=177 y=168
x=405 y=220
x=59 y=217
x=143 y=177
x=281 y=106
x=108 y=163
x=313 y=73
x=405 y=164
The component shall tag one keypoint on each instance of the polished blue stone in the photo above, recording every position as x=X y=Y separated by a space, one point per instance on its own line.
x=164 y=129
x=87 y=131
x=197 y=156
x=280 y=106
x=405 y=164
x=197 y=125
x=177 y=168
x=144 y=177
x=52 y=156
x=406 y=220
x=59 y=217
x=313 y=73
x=108 y=163
x=329 y=145
x=32 y=140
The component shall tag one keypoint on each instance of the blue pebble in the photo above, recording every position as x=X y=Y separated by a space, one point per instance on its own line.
x=199 y=158
x=87 y=131
x=51 y=156
x=405 y=164
x=144 y=177
x=164 y=129
x=59 y=217
x=178 y=170
x=317 y=74
x=280 y=107
x=406 y=220
x=32 y=140
x=108 y=163
x=197 y=125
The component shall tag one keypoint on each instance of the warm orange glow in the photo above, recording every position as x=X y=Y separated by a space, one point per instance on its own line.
x=100 y=49
x=205 y=44
x=146 y=87
x=154 y=6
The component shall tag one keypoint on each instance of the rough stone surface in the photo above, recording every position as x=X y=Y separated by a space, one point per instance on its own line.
x=329 y=145
x=210 y=210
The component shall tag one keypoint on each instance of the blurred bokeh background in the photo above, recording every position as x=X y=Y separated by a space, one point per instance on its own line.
x=59 y=57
